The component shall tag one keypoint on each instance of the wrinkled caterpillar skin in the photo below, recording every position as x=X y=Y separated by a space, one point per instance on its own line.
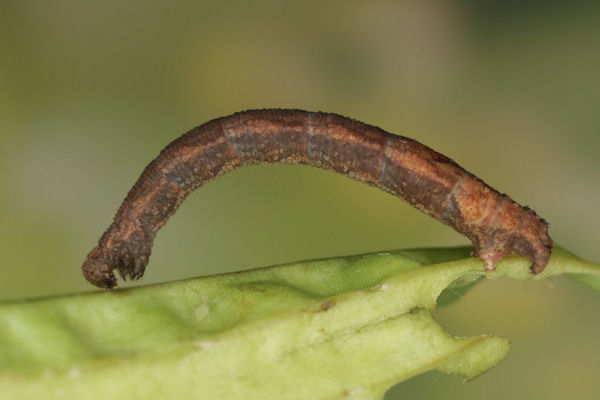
x=430 y=181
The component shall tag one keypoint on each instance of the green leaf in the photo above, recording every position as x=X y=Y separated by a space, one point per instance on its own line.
x=329 y=329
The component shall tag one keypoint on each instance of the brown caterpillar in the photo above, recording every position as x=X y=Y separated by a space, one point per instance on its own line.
x=432 y=182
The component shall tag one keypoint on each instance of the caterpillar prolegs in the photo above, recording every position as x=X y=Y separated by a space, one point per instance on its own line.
x=432 y=182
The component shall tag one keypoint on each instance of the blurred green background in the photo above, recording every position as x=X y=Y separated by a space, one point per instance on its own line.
x=91 y=91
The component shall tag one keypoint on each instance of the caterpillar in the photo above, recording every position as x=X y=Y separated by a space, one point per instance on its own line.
x=403 y=167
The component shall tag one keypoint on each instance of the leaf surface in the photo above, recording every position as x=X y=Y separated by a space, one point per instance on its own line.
x=338 y=328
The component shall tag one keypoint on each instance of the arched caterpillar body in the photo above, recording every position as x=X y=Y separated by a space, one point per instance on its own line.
x=430 y=181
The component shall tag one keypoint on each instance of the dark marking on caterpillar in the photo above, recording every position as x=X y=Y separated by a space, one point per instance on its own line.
x=432 y=182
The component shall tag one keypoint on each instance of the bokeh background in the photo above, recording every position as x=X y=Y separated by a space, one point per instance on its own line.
x=91 y=91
